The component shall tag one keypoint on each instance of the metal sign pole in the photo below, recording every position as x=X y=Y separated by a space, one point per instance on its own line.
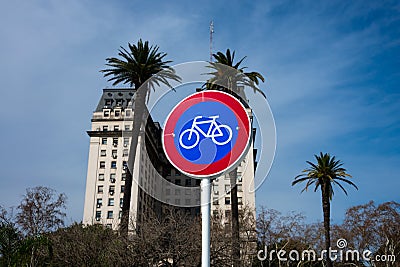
x=205 y=199
x=228 y=135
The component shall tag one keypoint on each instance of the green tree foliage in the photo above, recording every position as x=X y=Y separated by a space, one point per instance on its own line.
x=10 y=242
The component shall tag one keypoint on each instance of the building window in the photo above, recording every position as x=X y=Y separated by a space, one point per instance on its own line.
x=187 y=201
x=127 y=112
x=108 y=102
x=115 y=141
x=105 y=128
x=120 y=214
x=103 y=153
x=188 y=192
x=123 y=177
x=106 y=113
x=101 y=177
x=110 y=202
x=114 y=154
x=239 y=176
x=119 y=102
x=125 y=152
x=239 y=188
x=104 y=141
x=188 y=182
x=98 y=215
x=216 y=192
x=198 y=182
x=117 y=113
x=227 y=201
x=102 y=164
x=177 y=173
x=177 y=201
x=111 y=190
x=110 y=214
x=113 y=164
x=100 y=189
x=116 y=127
x=122 y=188
x=127 y=127
x=126 y=141
x=124 y=165
x=99 y=202
x=227 y=188
x=177 y=192
x=121 y=202
x=112 y=177
x=178 y=181
x=240 y=200
x=215 y=201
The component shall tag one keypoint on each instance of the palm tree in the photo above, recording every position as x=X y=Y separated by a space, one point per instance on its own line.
x=230 y=77
x=324 y=174
x=137 y=65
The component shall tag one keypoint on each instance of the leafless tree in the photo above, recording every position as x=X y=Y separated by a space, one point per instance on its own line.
x=41 y=210
x=285 y=232
x=373 y=227
x=221 y=238
x=173 y=239
x=94 y=245
x=220 y=252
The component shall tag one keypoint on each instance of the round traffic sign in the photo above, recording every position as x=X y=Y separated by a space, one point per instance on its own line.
x=207 y=134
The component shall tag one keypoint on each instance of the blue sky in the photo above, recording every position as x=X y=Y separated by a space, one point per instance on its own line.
x=332 y=70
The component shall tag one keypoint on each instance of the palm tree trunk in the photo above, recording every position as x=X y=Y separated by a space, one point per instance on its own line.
x=327 y=214
x=235 y=219
x=137 y=123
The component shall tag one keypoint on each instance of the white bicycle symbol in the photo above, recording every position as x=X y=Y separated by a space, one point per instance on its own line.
x=213 y=131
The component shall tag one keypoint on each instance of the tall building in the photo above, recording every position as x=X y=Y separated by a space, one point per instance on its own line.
x=156 y=183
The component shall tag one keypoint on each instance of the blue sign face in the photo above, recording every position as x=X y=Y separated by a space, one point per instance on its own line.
x=206 y=132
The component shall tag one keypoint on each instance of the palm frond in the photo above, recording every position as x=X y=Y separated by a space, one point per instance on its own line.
x=341 y=186
x=229 y=76
x=300 y=180
x=326 y=172
x=347 y=181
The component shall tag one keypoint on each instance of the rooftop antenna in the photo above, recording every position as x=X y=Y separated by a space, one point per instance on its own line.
x=211 y=39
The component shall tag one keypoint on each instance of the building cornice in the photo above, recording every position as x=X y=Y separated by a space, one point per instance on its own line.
x=109 y=133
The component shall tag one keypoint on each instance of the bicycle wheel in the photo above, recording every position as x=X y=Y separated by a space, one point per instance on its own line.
x=187 y=140
x=226 y=135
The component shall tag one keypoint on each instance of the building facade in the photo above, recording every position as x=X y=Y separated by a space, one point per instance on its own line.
x=155 y=182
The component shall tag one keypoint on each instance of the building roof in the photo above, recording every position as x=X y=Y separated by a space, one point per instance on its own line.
x=115 y=97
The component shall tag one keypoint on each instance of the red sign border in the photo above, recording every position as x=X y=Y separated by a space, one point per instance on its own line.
x=230 y=160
